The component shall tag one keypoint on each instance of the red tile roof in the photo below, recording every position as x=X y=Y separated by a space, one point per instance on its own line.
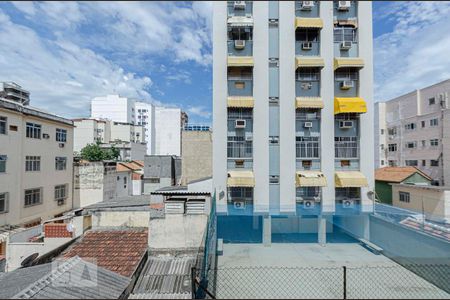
x=56 y=230
x=119 y=251
x=397 y=174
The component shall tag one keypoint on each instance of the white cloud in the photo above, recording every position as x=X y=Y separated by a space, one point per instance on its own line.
x=199 y=111
x=415 y=53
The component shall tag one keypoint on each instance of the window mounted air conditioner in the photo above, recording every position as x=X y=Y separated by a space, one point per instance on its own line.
x=239 y=204
x=249 y=138
x=346 y=45
x=348 y=204
x=239 y=124
x=239 y=4
x=307 y=45
x=344 y=5
x=345 y=124
x=308 y=125
x=308 y=204
x=239 y=44
x=347 y=84
x=45 y=136
x=307 y=5
x=61 y=145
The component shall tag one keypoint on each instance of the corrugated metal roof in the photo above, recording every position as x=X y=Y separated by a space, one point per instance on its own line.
x=166 y=276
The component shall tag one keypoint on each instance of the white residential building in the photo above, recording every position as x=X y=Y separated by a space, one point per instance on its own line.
x=291 y=85
x=114 y=108
x=36 y=154
x=410 y=130
x=168 y=124
x=89 y=131
x=145 y=116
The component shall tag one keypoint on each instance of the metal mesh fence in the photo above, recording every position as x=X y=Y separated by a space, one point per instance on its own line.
x=361 y=282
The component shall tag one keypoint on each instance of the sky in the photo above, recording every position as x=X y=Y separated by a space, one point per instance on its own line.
x=161 y=52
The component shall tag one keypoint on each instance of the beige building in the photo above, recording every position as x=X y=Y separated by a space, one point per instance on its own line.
x=196 y=155
x=432 y=201
x=410 y=131
x=36 y=154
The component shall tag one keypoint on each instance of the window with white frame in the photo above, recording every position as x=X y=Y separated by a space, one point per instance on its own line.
x=392 y=131
x=60 y=192
x=60 y=163
x=411 y=163
x=32 y=163
x=61 y=135
x=3 y=202
x=434 y=122
x=33 y=131
x=410 y=126
x=3 y=159
x=308 y=74
x=33 y=197
x=3 y=122
x=392 y=147
x=403 y=197
x=434 y=142
x=424 y=143
x=344 y=34
x=434 y=163
x=411 y=145
x=345 y=74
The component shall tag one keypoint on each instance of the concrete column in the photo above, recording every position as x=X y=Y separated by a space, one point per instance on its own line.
x=366 y=226
x=255 y=222
x=322 y=230
x=267 y=231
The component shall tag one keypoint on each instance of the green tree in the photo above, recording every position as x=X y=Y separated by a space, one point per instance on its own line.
x=93 y=152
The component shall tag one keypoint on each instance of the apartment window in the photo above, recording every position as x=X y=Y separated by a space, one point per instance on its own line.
x=307 y=147
x=13 y=128
x=382 y=162
x=423 y=143
x=410 y=126
x=241 y=192
x=3 y=121
x=411 y=145
x=307 y=35
x=274 y=179
x=392 y=163
x=382 y=146
x=3 y=159
x=424 y=163
x=434 y=142
x=431 y=101
x=403 y=197
x=60 y=163
x=411 y=163
x=3 y=203
x=434 y=163
x=33 y=131
x=344 y=74
x=308 y=74
x=434 y=122
x=60 y=192
x=381 y=131
x=344 y=34
x=423 y=124
x=61 y=135
x=32 y=163
x=392 y=131
x=33 y=197
x=392 y=147
x=308 y=193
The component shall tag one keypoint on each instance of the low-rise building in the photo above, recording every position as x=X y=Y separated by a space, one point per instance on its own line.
x=385 y=177
x=136 y=169
x=196 y=157
x=161 y=171
x=36 y=154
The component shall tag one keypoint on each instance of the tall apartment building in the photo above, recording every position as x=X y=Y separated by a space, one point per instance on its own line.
x=145 y=116
x=410 y=131
x=14 y=92
x=168 y=125
x=291 y=85
x=36 y=154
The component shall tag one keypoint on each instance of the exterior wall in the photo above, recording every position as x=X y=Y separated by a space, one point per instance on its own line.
x=196 y=160
x=383 y=191
x=160 y=167
x=16 y=180
x=433 y=201
x=414 y=107
x=168 y=131
x=120 y=219
x=380 y=135
x=114 y=108
x=123 y=184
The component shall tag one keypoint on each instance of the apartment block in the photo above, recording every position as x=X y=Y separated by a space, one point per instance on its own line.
x=291 y=86
x=410 y=131
x=114 y=108
x=196 y=158
x=36 y=154
x=14 y=92
x=145 y=116
x=168 y=125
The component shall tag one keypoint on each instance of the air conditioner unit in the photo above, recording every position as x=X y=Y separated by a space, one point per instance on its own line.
x=348 y=204
x=307 y=45
x=308 y=124
x=239 y=204
x=239 y=4
x=346 y=84
x=344 y=5
x=307 y=5
x=239 y=44
x=239 y=124
x=308 y=204
x=61 y=145
x=45 y=136
x=345 y=124
x=249 y=138
x=346 y=45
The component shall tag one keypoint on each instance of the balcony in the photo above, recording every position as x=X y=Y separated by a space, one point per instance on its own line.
x=238 y=147
x=345 y=41
x=346 y=147
x=304 y=48
x=307 y=148
x=235 y=48
x=240 y=8
x=307 y=11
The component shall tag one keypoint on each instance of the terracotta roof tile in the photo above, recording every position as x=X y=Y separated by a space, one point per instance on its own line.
x=119 y=251
x=397 y=174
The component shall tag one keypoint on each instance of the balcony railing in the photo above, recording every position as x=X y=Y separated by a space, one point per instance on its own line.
x=240 y=149
x=306 y=51
x=308 y=193
x=246 y=51
x=307 y=148
x=346 y=147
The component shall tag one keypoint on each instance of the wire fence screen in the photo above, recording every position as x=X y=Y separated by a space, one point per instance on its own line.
x=362 y=282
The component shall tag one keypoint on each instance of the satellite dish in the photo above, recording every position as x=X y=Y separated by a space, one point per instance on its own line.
x=27 y=262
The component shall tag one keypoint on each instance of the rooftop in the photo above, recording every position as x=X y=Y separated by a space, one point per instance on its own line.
x=119 y=251
x=397 y=174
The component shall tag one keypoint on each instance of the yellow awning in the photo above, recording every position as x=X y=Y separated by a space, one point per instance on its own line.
x=308 y=102
x=240 y=101
x=240 y=179
x=350 y=179
x=301 y=62
x=308 y=23
x=310 y=178
x=350 y=22
x=240 y=61
x=349 y=105
x=348 y=62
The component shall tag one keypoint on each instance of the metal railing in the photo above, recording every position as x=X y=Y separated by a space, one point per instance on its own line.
x=307 y=149
x=242 y=149
x=346 y=147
